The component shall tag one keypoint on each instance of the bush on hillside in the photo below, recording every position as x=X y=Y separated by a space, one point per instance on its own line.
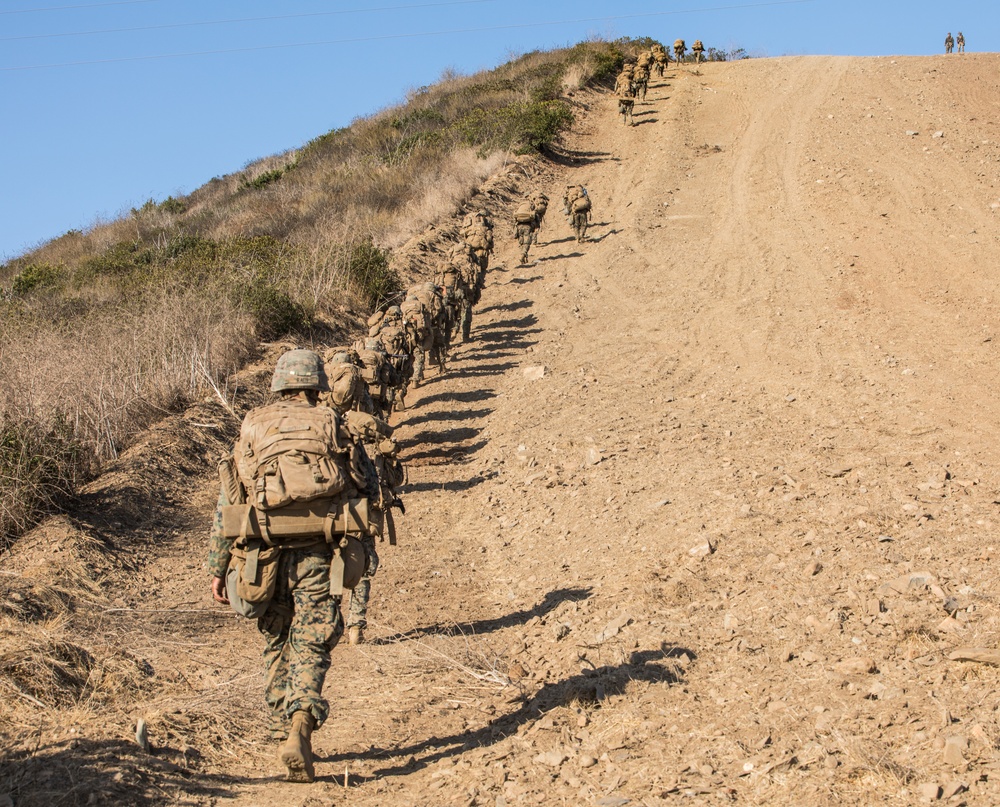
x=39 y=469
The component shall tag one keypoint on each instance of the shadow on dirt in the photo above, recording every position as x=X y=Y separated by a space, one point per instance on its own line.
x=447 y=416
x=86 y=772
x=644 y=122
x=571 y=157
x=552 y=600
x=432 y=437
x=472 y=396
x=515 y=306
x=559 y=257
x=456 y=485
x=591 y=686
x=444 y=454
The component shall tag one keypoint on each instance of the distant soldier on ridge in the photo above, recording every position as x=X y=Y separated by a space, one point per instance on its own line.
x=960 y=41
x=680 y=48
x=698 y=50
x=949 y=43
x=661 y=57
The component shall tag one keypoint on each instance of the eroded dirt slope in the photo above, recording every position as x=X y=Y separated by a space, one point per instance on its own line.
x=722 y=548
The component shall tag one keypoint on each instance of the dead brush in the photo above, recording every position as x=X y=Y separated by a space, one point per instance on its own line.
x=870 y=766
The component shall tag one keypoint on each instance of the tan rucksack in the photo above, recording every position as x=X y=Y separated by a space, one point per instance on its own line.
x=290 y=452
x=525 y=213
x=416 y=315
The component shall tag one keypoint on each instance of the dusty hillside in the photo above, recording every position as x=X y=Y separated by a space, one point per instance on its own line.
x=721 y=550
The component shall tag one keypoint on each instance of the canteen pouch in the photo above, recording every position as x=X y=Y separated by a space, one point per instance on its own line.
x=251 y=579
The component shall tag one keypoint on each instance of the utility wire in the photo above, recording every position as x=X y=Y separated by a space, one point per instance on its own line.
x=166 y=26
x=415 y=35
x=89 y=5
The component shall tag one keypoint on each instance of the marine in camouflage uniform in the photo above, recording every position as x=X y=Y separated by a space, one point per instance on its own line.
x=625 y=92
x=392 y=335
x=374 y=436
x=541 y=204
x=960 y=42
x=578 y=219
x=680 y=48
x=302 y=623
x=661 y=57
x=525 y=227
x=640 y=80
x=698 y=50
x=949 y=43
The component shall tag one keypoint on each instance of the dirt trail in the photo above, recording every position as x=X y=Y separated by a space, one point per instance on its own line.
x=713 y=551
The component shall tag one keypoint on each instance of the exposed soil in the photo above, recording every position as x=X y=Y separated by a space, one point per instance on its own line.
x=719 y=550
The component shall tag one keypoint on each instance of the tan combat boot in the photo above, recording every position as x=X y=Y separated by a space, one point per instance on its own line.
x=355 y=635
x=296 y=752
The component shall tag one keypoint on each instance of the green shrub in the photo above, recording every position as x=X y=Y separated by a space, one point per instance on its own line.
x=263 y=180
x=37 y=276
x=369 y=273
x=519 y=127
x=172 y=205
x=273 y=310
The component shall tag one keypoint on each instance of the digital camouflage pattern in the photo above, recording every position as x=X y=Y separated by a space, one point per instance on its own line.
x=301 y=627
x=361 y=594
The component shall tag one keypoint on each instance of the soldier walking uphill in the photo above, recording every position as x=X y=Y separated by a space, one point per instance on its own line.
x=540 y=202
x=576 y=203
x=525 y=227
x=949 y=43
x=625 y=93
x=477 y=232
x=661 y=58
x=285 y=542
x=640 y=79
x=698 y=50
x=680 y=48
x=350 y=397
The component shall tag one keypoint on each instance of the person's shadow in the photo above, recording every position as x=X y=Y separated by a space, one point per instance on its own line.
x=590 y=687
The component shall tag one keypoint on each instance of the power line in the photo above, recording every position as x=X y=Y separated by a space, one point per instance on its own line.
x=414 y=35
x=89 y=5
x=166 y=26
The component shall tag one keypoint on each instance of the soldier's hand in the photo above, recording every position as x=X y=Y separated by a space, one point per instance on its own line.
x=219 y=590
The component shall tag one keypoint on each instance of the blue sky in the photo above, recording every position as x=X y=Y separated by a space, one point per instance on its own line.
x=109 y=103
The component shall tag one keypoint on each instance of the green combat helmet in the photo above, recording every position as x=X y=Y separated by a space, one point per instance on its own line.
x=299 y=369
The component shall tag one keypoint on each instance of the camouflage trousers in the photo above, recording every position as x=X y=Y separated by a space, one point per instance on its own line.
x=358 y=610
x=301 y=627
x=465 y=320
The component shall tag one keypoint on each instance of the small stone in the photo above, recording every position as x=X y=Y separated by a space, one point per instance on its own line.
x=587 y=761
x=954 y=750
x=938 y=134
x=536 y=373
x=857 y=666
x=702 y=549
x=949 y=625
x=911 y=133
x=814 y=568
x=553 y=759
x=930 y=791
x=516 y=672
x=142 y=736
x=912 y=582
x=953 y=789
x=592 y=457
